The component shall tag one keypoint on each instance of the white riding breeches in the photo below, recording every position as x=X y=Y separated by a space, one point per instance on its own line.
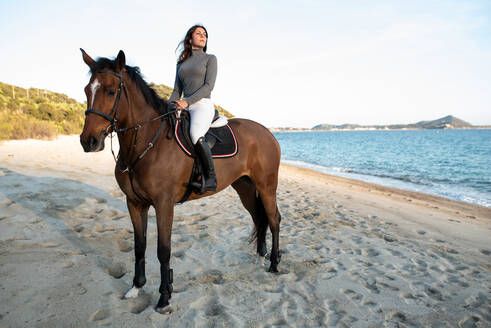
x=202 y=113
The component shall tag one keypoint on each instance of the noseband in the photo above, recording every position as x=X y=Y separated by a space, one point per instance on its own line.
x=115 y=109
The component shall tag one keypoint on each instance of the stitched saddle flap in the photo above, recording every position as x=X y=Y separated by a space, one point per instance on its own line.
x=222 y=140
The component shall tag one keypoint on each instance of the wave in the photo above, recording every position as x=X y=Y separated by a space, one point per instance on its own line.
x=442 y=187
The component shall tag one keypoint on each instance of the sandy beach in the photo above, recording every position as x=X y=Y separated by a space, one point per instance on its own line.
x=354 y=254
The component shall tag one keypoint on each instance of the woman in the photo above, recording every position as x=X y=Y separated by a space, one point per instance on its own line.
x=195 y=77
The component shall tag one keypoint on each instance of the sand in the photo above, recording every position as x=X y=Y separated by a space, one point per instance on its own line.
x=353 y=254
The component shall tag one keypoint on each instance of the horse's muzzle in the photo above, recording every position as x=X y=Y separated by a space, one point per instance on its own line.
x=92 y=143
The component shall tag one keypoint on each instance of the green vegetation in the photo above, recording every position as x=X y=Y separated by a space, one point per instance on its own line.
x=36 y=113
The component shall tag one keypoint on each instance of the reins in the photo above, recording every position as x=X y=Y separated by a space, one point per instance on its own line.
x=113 y=120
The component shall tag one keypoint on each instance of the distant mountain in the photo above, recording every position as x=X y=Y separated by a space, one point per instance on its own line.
x=447 y=122
x=38 y=113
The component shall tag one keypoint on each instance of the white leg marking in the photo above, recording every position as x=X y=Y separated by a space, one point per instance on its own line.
x=132 y=293
x=93 y=88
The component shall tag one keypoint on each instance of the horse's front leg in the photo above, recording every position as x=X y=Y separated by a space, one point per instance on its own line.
x=165 y=216
x=139 y=218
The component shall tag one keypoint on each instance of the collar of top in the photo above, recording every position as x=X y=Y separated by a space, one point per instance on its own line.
x=197 y=52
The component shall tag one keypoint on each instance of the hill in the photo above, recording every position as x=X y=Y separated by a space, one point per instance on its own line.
x=447 y=122
x=37 y=113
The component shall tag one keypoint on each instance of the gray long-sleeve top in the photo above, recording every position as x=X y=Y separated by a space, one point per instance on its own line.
x=195 y=78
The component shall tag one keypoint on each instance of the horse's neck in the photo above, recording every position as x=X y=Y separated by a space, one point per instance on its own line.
x=137 y=112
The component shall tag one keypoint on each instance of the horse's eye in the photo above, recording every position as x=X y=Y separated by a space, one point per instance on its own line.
x=111 y=93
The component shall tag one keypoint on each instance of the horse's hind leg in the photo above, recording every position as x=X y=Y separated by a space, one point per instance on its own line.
x=268 y=197
x=246 y=189
x=139 y=218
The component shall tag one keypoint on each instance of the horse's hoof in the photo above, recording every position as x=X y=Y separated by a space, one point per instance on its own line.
x=164 y=310
x=273 y=269
x=132 y=293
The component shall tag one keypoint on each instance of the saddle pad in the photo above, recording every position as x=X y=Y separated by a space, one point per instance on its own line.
x=225 y=146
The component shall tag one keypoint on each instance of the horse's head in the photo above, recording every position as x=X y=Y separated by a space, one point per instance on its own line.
x=104 y=93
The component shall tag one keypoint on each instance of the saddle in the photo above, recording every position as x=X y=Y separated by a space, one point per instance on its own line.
x=220 y=138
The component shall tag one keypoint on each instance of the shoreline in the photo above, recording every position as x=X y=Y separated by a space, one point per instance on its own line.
x=385 y=190
x=381 y=186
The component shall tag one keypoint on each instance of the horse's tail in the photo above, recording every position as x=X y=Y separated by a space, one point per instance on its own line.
x=261 y=222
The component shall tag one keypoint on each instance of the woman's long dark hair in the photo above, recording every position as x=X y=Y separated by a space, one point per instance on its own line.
x=186 y=44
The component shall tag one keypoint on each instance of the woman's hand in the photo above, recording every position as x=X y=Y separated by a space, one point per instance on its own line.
x=181 y=104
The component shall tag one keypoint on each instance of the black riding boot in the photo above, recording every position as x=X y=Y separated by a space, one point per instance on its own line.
x=204 y=154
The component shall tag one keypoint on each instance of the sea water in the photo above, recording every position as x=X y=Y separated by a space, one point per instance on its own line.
x=450 y=163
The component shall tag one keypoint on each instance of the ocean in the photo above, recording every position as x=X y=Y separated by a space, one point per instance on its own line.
x=454 y=164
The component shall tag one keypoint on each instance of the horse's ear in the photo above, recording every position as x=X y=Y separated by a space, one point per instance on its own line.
x=120 y=61
x=87 y=59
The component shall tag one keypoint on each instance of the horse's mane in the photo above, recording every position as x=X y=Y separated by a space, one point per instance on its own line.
x=151 y=97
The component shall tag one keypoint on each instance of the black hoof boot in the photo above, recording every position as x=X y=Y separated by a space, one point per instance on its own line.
x=165 y=290
x=275 y=260
x=163 y=306
x=208 y=180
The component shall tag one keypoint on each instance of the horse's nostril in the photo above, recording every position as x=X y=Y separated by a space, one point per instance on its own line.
x=92 y=142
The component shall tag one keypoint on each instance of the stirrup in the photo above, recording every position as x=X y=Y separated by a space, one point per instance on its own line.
x=201 y=186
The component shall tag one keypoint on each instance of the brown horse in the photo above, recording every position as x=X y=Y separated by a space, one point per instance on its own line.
x=153 y=171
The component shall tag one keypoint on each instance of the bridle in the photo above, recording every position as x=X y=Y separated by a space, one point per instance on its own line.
x=114 y=122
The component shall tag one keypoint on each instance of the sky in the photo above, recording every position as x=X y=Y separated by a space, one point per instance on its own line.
x=281 y=63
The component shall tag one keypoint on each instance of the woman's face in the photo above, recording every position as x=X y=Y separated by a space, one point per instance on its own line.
x=198 y=38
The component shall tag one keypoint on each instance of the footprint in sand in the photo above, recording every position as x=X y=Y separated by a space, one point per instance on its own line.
x=336 y=316
x=138 y=304
x=476 y=301
x=387 y=286
x=103 y=228
x=213 y=276
x=117 y=270
x=49 y=244
x=433 y=293
x=370 y=252
x=469 y=322
x=396 y=253
x=389 y=238
x=334 y=313
x=100 y=315
x=125 y=246
x=352 y=295
x=370 y=284
x=410 y=298
x=397 y=319
x=210 y=305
